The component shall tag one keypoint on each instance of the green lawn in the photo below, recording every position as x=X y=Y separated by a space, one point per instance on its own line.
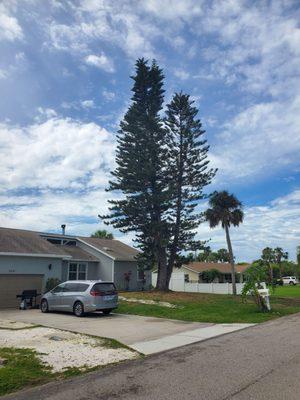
x=287 y=291
x=202 y=307
x=21 y=368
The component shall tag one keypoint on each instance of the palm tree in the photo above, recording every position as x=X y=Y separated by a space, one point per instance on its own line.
x=280 y=255
x=225 y=209
x=103 y=234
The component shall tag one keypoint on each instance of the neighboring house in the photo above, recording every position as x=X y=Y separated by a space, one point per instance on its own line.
x=28 y=259
x=193 y=271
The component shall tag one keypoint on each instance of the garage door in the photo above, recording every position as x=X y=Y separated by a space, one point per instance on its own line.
x=11 y=285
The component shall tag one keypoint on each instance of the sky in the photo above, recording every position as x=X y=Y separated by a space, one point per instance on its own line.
x=65 y=69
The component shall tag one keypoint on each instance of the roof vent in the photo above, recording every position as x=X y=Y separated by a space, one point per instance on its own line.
x=63 y=229
x=107 y=249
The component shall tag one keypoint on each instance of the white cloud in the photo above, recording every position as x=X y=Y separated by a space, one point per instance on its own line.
x=101 y=61
x=181 y=74
x=259 y=141
x=46 y=113
x=10 y=29
x=57 y=154
x=88 y=104
x=3 y=74
x=174 y=9
x=274 y=224
x=248 y=47
x=108 y=95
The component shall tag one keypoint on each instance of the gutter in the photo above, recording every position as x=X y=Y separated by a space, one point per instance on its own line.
x=42 y=255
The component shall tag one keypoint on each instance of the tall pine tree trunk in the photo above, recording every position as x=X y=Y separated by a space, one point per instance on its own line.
x=174 y=245
x=231 y=259
x=162 y=283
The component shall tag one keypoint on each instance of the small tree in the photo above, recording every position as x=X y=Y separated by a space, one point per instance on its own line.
x=255 y=275
x=51 y=284
x=103 y=234
x=268 y=259
x=127 y=277
x=226 y=210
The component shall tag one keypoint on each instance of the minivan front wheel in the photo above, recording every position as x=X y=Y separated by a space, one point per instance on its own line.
x=44 y=306
x=78 y=309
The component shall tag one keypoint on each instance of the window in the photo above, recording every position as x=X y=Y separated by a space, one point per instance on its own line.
x=58 y=289
x=81 y=271
x=107 y=288
x=77 y=271
x=186 y=278
x=141 y=275
x=75 y=287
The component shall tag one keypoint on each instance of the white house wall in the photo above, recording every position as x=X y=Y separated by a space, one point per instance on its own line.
x=105 y=265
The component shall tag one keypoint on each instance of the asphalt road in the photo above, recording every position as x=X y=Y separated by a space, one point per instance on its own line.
x=261 y=363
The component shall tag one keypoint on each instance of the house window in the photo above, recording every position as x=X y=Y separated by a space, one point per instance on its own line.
x=77 y=271
x=186 y=278
x=140 y=274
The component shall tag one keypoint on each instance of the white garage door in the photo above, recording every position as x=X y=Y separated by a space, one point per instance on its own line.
x=11 y=285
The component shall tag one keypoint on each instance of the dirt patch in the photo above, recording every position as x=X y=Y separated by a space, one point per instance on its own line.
x=148 y=301
x=14 y=325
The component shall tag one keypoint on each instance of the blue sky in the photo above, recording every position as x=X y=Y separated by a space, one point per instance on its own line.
x=64 y=82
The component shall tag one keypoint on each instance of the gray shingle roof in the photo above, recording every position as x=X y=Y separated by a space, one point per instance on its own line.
x=26 y=242
x=30 y=242
x=77 y=253
x=113 y=248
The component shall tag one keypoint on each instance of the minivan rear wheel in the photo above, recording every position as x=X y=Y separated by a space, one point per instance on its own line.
x=78 y=309
x=106 y=312
x=44 y=306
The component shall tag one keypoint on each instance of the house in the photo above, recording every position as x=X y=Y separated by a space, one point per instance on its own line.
x=193 y=272
x=28 y=259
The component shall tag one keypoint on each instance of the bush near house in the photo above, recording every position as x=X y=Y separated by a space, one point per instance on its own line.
x=51 y=284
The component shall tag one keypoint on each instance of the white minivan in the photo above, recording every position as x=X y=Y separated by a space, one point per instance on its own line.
x=289 y=280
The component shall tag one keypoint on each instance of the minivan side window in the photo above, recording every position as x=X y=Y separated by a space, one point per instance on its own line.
x=58 y=289
x=75 y=287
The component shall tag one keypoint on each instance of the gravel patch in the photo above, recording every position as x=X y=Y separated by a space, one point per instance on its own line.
x=62 y=349
x=152 y=302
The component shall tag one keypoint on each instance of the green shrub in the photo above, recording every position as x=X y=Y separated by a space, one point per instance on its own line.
x=51 y=284
x=255 y=275
x=210 y=275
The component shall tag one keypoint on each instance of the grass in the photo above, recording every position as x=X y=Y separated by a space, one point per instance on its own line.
x=287 y=291
x=213 y=308
x=21 y=368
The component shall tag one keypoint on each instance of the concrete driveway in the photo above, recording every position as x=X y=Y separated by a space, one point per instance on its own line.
x=145 y=334
x=260 y=363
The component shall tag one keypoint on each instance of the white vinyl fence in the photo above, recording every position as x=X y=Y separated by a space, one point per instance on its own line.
x=178 y=284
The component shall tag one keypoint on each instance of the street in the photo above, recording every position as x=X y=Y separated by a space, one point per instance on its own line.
x=260 y=362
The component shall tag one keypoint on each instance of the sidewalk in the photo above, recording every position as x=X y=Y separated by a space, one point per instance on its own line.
x=187 y=337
